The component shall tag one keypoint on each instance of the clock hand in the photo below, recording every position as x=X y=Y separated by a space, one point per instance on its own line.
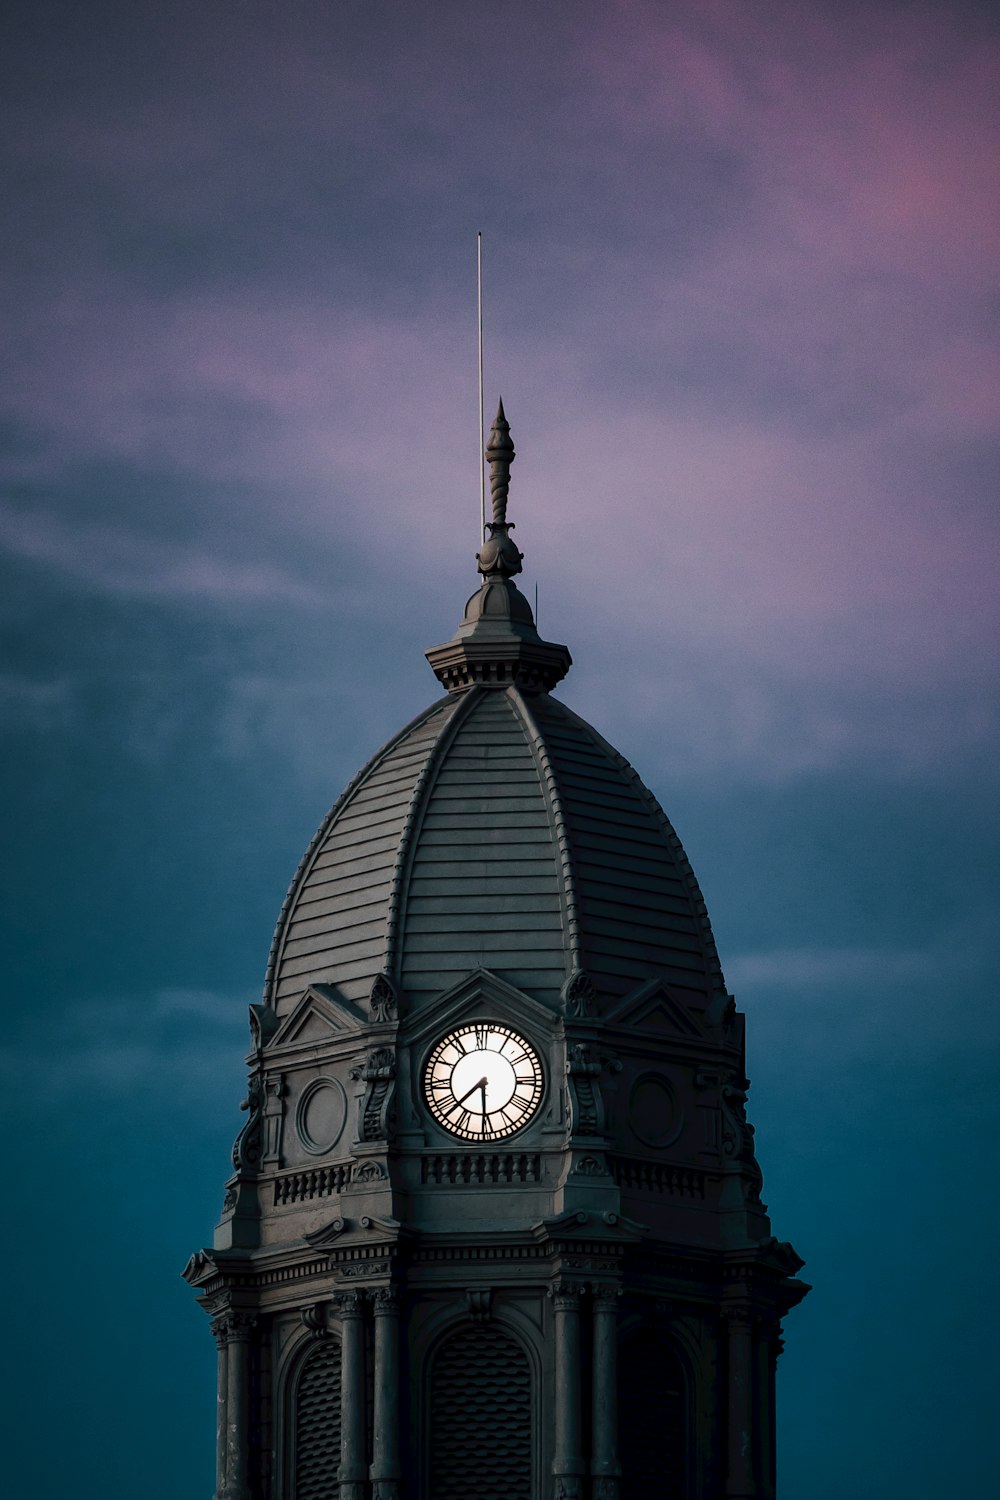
x=480 y=1085
x=483 y=1087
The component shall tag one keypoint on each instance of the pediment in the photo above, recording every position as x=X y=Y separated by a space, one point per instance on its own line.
x=655 y=1009
x=319 y=1016
x=327 y=1235
x=480 y=992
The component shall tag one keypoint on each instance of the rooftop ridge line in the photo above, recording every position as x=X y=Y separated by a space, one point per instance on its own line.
x=713 y=965
x=315 y=844
x=553 y=801
x=415 y=812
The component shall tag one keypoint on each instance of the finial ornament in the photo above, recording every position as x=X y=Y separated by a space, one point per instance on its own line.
x=500 y=455
x=497 y=644
x=499 y=556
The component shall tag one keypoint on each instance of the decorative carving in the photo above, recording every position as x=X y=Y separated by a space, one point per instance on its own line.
x=315 y=1319
x=587 y=1103
x=263 y=1025
x=199 y=1268
x=737 y=1315
x=229 y=1201
x=384 y=999
x=368 y=1171
x=579 y=996
x=247 y=1145
x=232 y=1325
x=737 y=1133
x=366 y=1268
x=377 y=1115
x=274 y=1110
x=591 y=1166
x=385 y=1301
x=480 y=1301
x=350 y=1304
x=499 y=556
x=320 y=1239
x=566 y=1294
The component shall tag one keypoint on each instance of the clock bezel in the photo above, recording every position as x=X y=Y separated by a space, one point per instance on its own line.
x=540 y=1080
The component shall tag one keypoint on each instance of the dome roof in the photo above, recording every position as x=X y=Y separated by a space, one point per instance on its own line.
x=496 y=831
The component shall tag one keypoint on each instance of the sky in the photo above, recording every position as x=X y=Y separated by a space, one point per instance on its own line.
x=741 y=302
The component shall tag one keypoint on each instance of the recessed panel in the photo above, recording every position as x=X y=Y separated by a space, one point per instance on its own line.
x=652 y=1110
x=320 y=1117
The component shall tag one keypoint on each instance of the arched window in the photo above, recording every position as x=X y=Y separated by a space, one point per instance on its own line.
x=480 y=1417
x=652 y=1419
x=316 y=1423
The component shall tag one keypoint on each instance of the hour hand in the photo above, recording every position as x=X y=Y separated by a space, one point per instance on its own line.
x=480 y=1085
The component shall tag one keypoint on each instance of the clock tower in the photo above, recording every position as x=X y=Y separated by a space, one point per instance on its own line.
x=494 y=1229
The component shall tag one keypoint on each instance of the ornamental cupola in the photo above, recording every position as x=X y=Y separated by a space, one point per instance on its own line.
x=495 y=1224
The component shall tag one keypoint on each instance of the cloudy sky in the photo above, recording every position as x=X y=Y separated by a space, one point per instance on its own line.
x=742 y=305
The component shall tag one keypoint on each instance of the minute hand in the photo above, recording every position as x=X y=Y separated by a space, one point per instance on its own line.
x=480 y=1085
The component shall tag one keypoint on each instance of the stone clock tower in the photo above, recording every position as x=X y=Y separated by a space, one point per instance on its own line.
x=494 y=1229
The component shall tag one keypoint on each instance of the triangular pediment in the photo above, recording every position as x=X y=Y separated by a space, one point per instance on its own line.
x=480 y=993
x=319 y=1016
x=654 y=1008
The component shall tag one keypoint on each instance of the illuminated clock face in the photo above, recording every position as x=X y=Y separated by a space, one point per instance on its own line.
x=483 y=1082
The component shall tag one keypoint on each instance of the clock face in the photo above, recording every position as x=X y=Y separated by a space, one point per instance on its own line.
x=483 y=1082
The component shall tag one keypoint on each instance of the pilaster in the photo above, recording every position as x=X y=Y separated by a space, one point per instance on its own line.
x=238 y=1329
x=385 y=1469
x=353 y=1471
x=568 y=1466
x=604 y=1466
x=220 y=1333
x=741 y=1440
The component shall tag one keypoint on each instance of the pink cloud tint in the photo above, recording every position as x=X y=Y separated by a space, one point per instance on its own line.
x=770 y=235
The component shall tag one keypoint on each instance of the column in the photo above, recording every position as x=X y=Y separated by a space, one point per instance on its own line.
x=353 y=1470
x=567 y=1465
x=238 y=1406
x=220 y=1329
x=385 y=1473
x=740 y=1439
x=768 y=1348
x=604 y=1465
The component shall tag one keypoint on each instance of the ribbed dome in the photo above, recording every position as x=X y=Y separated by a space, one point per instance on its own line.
x=497 y=831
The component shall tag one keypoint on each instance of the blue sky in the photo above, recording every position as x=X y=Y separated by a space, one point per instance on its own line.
x=742 y=305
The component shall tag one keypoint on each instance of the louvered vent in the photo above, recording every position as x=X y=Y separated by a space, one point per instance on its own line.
x=481 y=1418
x=651 y=1427
x=317 y=1424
